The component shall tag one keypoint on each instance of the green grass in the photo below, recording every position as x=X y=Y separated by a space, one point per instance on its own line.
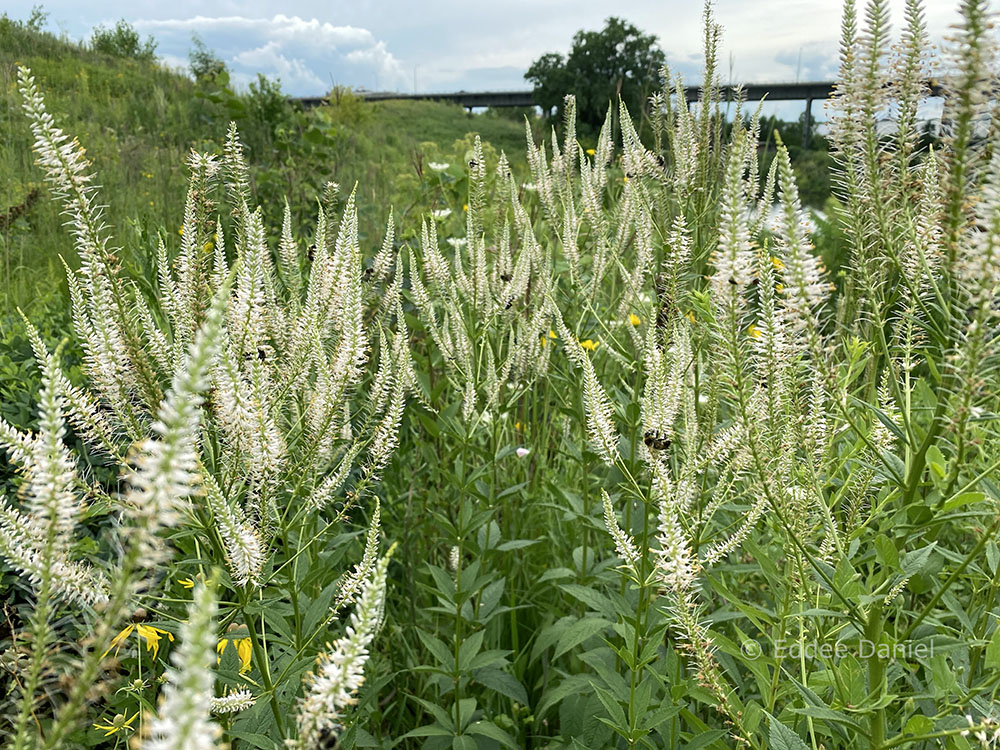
x=139 y=121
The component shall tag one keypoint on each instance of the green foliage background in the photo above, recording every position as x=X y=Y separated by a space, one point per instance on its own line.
x=518 y=633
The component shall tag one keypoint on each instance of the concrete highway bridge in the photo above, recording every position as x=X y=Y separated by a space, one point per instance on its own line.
x=752 y=92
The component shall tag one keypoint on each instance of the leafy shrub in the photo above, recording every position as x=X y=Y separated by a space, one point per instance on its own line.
x=123 y=41
x=206 y=66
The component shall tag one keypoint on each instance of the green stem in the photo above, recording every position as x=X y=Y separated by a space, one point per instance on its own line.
x=263 y=665
x=876 y=674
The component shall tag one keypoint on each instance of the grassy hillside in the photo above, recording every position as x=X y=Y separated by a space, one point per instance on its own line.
x=139 y=121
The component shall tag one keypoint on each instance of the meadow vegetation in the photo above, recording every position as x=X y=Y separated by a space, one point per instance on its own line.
x=589 y=450
x=139 y=120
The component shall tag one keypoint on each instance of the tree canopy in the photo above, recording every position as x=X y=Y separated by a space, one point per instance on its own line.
x=618 y=60
x=123 y=41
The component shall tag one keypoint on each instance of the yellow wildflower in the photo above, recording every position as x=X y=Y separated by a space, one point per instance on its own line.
x=465 y=206
x=517 y=425
x=244 y=649
x=779 y=288
x=634 y=319
x=118 y=640
x=590 y=152
x=590 y=345
x=755 y=332
x=552 y=334
x=776 y=262
x=147 y=632
x=207 y=247
x=152 y=637
x=690 y=316
x=118 y=724
x=180 y=231
x=186 y=583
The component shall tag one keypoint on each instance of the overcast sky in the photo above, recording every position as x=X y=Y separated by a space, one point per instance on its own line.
x=439 y=45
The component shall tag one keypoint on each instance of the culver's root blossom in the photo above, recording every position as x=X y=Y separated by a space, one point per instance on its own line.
x=339 y=671
x=641 y=425
x=183 y=719
x=234 y=402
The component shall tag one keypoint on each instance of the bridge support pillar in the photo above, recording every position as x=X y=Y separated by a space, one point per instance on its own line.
x=807 y=123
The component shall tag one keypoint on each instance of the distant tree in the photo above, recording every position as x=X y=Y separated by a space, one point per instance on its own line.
x=206 y=66
x=618 y=60
x=267 y=103
x=37 y=18
x=123 y=41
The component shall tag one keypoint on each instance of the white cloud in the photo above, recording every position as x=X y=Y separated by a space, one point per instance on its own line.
x=305 y=53
x=175 y=62
x=294 y=74
x=445 y=44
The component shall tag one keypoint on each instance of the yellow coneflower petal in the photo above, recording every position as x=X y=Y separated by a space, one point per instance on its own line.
x=245 y=650
x=110 y=727
x=152 y=637
x=118 y=640
x=186 y=583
